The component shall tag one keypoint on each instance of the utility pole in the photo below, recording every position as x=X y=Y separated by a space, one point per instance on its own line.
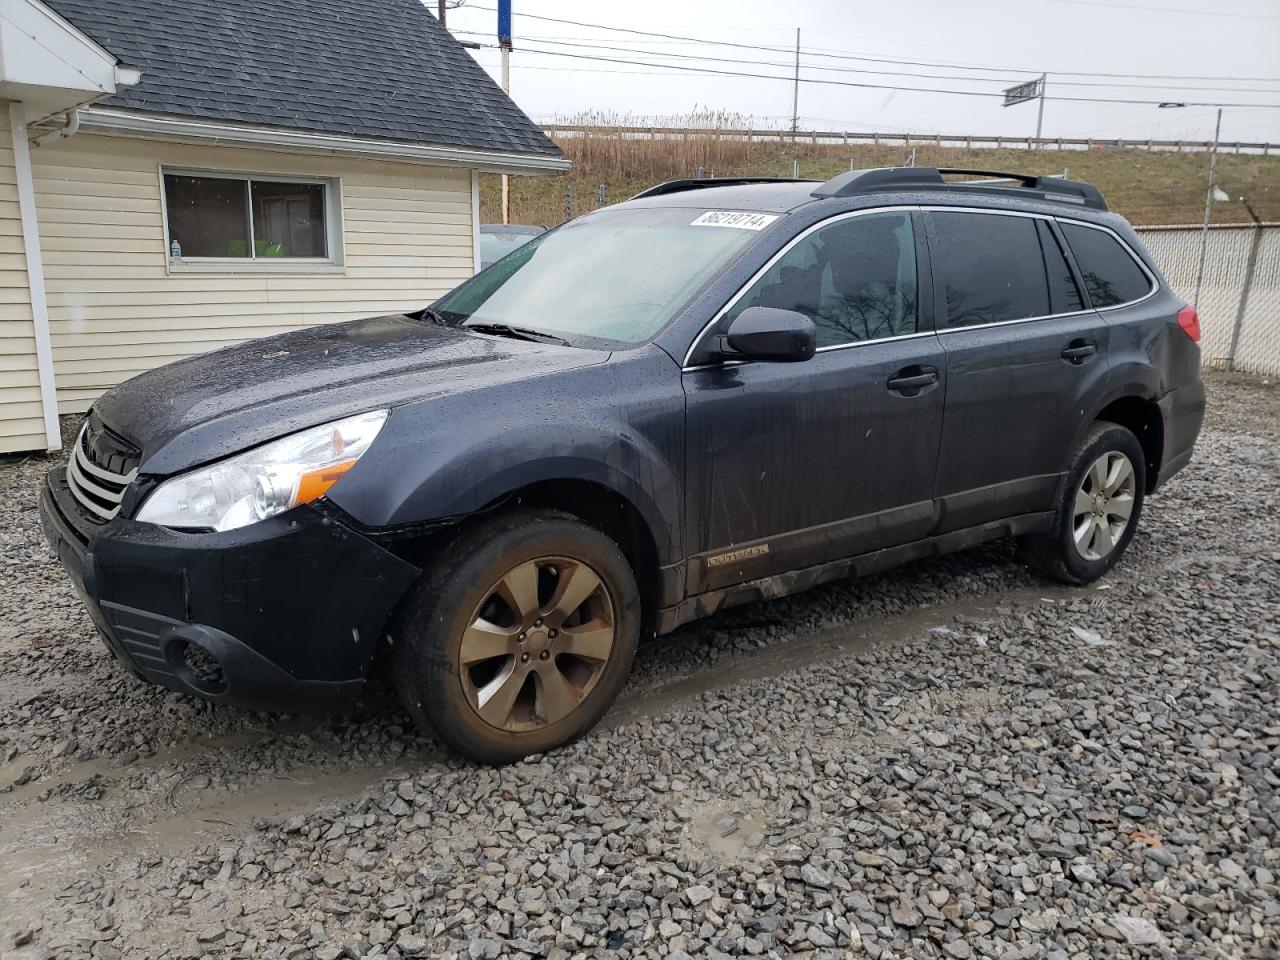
x=1250 y=266
x=1208 y=203
x=1044 y=77
x=504 y=44
x=442 y=7
x=795 y=90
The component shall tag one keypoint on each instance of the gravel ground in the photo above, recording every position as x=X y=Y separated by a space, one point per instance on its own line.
x=954 y=759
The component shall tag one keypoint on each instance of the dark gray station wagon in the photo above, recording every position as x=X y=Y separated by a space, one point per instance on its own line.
x=717 y=392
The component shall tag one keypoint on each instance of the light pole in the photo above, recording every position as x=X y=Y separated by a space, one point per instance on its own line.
x=1208 y=197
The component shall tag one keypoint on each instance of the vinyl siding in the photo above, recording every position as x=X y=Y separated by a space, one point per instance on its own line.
x=21 y=416
x=115 y=308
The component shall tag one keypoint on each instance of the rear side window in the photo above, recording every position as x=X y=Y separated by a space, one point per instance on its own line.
x=854 y=278
x=990 y=267
x=1110 y=273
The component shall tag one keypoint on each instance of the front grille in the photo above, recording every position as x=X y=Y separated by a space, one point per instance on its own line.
x=100 y=470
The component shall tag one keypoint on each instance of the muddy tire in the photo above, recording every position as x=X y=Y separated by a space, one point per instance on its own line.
x=1098 y=508
x=519 y=638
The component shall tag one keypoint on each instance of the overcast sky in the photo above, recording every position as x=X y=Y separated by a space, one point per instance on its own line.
x=1171 y=38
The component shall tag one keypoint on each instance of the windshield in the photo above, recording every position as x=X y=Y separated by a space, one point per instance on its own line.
x=494 y=246
x=618 y=275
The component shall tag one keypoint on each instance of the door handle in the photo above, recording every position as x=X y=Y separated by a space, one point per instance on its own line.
x=911 y=380
x=1078 y=351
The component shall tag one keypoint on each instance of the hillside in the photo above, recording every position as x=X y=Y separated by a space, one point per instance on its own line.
x=1147 y=187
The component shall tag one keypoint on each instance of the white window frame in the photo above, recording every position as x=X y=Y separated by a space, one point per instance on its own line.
x=332 y=262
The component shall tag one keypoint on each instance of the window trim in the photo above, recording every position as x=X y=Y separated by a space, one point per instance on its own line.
x=335 y=236
x=1156 y=286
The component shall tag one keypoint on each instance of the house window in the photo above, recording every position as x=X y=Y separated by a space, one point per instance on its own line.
x=221 y=217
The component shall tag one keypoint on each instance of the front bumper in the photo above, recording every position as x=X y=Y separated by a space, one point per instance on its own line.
x=283 y=615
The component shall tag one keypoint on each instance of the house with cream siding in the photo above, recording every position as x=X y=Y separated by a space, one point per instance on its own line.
x=180 y=175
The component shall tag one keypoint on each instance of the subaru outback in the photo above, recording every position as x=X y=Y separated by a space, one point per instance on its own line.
x=715 y=393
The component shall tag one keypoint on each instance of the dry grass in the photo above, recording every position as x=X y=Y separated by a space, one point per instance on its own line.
x=1145 y=187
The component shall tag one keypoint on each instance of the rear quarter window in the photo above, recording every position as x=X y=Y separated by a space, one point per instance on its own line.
x=1110 y=273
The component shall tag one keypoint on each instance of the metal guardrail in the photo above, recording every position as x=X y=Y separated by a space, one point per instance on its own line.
x=841 y=137
x=1240 y=296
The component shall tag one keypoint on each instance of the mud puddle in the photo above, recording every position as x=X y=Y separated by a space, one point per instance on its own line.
x=61 y=839
x=165 y=804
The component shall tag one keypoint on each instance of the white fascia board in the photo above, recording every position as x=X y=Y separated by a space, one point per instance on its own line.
x=106 y=120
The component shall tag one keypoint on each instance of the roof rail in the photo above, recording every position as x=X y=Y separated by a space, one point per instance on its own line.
x=700 y=183
x=857 y=182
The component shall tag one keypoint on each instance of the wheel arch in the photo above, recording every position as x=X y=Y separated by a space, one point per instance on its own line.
x=633 y=523
x=613 y=514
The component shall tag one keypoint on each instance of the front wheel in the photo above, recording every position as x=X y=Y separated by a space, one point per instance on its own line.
x=520 y=637
x=1098 y=509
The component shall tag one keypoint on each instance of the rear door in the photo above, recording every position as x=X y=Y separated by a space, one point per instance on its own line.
x=1025 y=361
x=793 y=464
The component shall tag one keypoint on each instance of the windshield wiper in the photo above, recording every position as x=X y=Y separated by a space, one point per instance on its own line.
x=518 y=333
x=435 y=316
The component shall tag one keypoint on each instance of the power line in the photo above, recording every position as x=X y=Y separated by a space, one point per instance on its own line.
x=489 y=33
x=877 y=72
x=866 y=86
x=643 y=33
x=1133 y=6
x=1057 y=73
x=849 y=55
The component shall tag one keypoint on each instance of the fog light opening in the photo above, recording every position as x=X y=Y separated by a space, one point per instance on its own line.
x=200 y=668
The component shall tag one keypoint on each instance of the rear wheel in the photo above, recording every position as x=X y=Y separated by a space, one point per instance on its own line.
x=520 y=638
x=1098 y=509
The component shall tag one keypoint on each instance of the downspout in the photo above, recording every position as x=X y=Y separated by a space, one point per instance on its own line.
x=35 y=275
x=68 y=129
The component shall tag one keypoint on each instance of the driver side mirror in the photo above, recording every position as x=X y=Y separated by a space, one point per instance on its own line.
x=770 y=335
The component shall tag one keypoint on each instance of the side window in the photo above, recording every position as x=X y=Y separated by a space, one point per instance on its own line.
x=990 y=266
x=855 y=279
x=1110 y=274
x=1064 y=295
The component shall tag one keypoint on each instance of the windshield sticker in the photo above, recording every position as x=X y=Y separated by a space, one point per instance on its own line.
x=733 y=218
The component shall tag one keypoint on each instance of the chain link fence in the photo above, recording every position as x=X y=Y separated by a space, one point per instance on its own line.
x=1240 y=295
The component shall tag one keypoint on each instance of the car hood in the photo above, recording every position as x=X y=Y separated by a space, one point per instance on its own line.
x=209 y=406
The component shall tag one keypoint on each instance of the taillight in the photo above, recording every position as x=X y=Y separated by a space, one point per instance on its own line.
x=1189 y=321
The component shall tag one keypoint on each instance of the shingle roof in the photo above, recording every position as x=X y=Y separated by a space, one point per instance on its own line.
x=384 y=69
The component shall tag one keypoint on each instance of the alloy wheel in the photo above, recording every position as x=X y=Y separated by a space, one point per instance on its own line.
x=537 y=643
x=1103 y=505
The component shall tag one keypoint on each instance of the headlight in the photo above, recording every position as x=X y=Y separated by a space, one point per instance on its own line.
x=265 y=481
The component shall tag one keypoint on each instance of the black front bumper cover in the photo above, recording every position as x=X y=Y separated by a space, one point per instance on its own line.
x=291 y=608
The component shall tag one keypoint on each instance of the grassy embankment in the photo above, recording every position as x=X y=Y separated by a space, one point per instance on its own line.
x=1147 y=187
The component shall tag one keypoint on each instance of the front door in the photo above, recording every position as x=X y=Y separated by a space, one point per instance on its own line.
x=794 y=464
x=1025 y=361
